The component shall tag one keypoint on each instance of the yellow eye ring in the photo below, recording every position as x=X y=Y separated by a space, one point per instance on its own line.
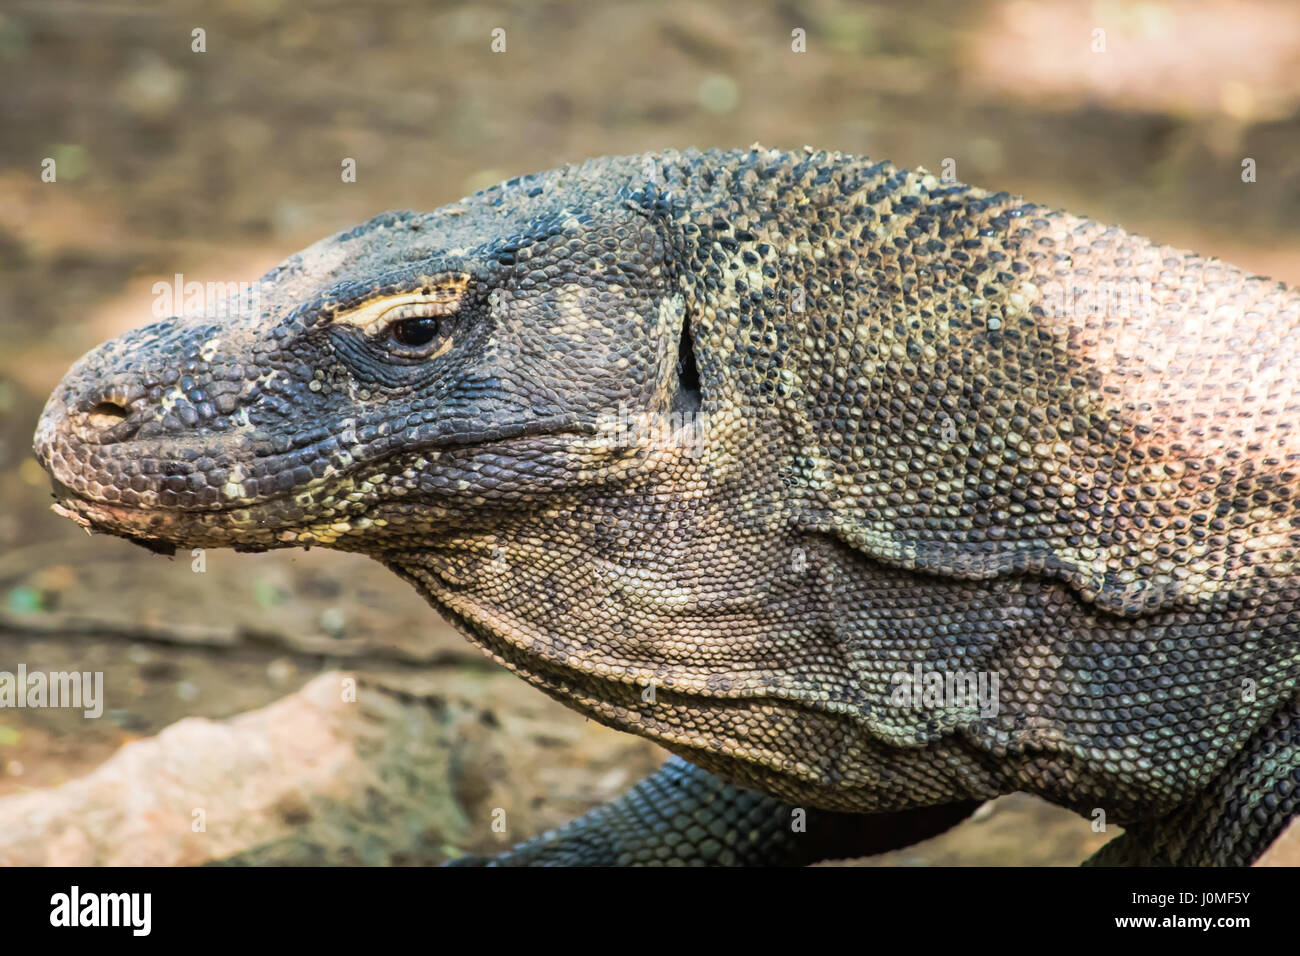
x=376 y=315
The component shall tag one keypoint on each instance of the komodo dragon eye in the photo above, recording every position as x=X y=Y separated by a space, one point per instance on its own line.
x=411 y=326
x=414 y=332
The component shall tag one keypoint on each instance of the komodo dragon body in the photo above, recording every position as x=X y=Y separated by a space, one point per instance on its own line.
x=776 y=459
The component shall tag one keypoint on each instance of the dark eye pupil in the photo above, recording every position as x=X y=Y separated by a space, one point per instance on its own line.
x=415 y=332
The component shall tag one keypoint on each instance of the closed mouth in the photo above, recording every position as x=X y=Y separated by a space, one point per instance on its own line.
x=504 y=434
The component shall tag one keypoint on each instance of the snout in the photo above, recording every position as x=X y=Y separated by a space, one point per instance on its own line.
x=75 y=440
x=88 y=436
x=137 y=437
x=163 y=436
x=86 y=440
x=75 y=436
x=90 y=412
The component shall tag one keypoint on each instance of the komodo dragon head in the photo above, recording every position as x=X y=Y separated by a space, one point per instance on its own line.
x=417 y=379
x=712 y=445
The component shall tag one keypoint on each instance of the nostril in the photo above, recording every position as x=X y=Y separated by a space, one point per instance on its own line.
x=104 y=415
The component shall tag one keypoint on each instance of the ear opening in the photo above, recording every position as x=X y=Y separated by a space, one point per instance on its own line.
x=688 y=373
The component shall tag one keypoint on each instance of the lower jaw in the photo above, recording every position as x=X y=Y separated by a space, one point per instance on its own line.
x=159 y=531
x=106 y=519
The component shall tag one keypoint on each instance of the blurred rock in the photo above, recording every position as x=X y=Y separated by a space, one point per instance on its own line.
x=310 y=779
x=1285 y=850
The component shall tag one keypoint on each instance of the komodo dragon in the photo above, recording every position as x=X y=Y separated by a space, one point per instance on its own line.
x=776 y=458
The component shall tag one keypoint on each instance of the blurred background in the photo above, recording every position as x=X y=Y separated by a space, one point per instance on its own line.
x=216 y=164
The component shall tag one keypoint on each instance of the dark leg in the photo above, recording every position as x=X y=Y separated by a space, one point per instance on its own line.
x=684 y=816
x=1233 y=820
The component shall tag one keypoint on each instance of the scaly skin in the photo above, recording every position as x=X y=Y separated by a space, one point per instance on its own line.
x=685 y=816
x=906 y=444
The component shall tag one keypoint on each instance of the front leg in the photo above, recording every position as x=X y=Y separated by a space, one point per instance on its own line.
x=685 y=816
x=1233 y=820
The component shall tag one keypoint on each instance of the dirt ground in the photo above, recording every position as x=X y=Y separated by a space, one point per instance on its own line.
x=217 y=164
